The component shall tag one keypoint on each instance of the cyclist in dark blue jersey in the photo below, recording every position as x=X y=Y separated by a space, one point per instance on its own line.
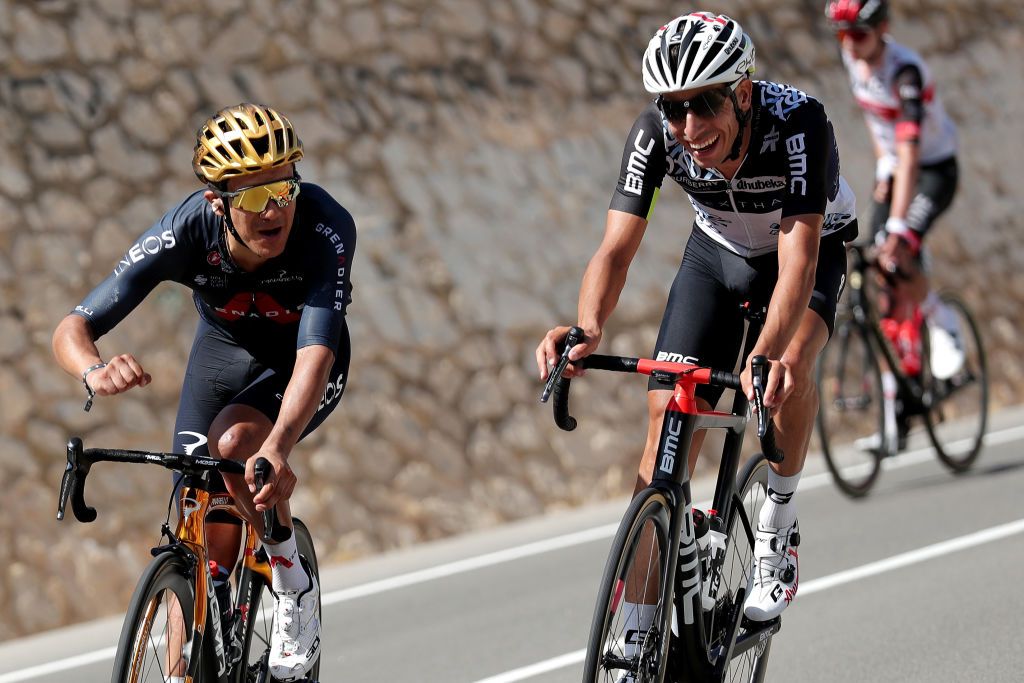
x=760 y=165
x=268 y=259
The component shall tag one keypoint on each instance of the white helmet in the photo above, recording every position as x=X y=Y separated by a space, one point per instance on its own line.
x=695 y=50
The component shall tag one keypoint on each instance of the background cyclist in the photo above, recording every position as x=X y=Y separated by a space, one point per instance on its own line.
x=915 y=145
x=760 y=165
x=268 y=259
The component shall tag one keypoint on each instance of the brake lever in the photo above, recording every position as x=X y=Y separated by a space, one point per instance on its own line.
x=272 y=532
x=759 y=368
x=574 y=337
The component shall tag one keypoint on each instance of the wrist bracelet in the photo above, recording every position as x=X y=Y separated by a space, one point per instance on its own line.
x=88 y=390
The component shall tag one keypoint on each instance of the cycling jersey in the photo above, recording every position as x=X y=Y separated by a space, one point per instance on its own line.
x=791 y=168
x=294 y=300
x=899 y=102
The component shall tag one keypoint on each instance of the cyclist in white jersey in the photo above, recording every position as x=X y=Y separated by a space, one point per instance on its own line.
x=760 y=165
x=915 y=145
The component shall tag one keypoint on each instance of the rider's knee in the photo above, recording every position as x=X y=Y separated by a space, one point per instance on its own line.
x=237 y=442
x=801 y=365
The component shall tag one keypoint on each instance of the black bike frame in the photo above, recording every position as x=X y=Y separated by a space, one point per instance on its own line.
x=867 y=318
x=672 y=477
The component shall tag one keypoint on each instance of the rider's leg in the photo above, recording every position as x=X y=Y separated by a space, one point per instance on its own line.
x=238 y=433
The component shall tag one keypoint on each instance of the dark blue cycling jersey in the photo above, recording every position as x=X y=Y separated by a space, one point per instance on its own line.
x=294 y=300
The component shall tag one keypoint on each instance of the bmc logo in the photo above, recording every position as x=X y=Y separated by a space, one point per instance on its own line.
x=796 y=148
x=676 y=358
x=637 y=164
x=670 y=444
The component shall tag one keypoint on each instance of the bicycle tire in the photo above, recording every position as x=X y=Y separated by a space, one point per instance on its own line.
x=164 y=587
x=606 y=660
x=851 y=407
x=738 y=567
x=942 y=407
x=260 y=625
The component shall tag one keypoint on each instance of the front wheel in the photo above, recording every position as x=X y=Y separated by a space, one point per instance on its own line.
x=634 y=592
x=956 y=380
x=156 y=639
x=851 y=409
x=736 y=577
x=256 y=605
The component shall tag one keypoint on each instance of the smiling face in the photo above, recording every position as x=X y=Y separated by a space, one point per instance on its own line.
x=709 y=139
x=265 y=233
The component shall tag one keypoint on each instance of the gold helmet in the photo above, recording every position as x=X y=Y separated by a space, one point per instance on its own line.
x=243 y=139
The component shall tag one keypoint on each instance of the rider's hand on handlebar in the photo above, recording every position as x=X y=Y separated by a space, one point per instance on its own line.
x=120 y=374
x=279 y=485
x=548 y=353
x=778 y=387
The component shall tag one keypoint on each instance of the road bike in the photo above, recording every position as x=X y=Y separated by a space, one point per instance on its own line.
x=867 y=398
x=169 y=634
x=693 y=568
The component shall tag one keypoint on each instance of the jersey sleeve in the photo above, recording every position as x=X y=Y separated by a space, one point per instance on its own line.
x=329 y=266
x=909 y=84
x=156 y=256
x=812 y=161
x=643 y=166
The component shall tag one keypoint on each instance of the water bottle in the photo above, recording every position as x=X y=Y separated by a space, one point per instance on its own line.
x=710 y=544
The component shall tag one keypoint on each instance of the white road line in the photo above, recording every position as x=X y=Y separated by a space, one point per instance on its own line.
x=824 y=583
x=536 y=548
x=913 y=557
x=59 y=665
x=470 y=563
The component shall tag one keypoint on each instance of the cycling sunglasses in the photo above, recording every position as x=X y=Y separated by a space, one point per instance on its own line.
x=256 y=198
x=854 y=34
x=706 y=105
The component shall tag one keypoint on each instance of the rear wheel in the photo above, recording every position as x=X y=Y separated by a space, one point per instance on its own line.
x=156 y=639
x=956 y=380
x=257 y=608
x=634 y=573
x=851 y=412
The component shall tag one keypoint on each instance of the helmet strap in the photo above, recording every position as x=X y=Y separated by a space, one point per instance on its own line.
x=742 y=117
x=228 y=224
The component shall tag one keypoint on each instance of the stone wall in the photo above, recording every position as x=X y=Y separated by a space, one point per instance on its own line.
x=477 y=144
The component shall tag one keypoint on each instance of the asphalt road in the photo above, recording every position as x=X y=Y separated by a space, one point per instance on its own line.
x=919 y=582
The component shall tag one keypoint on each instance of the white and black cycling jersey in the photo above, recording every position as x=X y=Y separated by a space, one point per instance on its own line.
x=791 y=168
x=899 y=102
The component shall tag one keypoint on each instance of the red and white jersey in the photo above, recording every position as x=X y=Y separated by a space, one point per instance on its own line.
x=899 y=102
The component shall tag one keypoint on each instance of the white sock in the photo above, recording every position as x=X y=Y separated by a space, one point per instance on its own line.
x=639 y=618
x=779 y=510
x=285 y=566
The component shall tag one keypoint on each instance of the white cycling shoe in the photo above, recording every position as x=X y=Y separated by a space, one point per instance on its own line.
x=776 y=572
x=947 y=354
x=295 y=641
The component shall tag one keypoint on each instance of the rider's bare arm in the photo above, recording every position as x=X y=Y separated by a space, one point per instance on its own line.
x=905 y=178
x=75 y=350
x=606 y=273
x=799 y=238
x=301 y=399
